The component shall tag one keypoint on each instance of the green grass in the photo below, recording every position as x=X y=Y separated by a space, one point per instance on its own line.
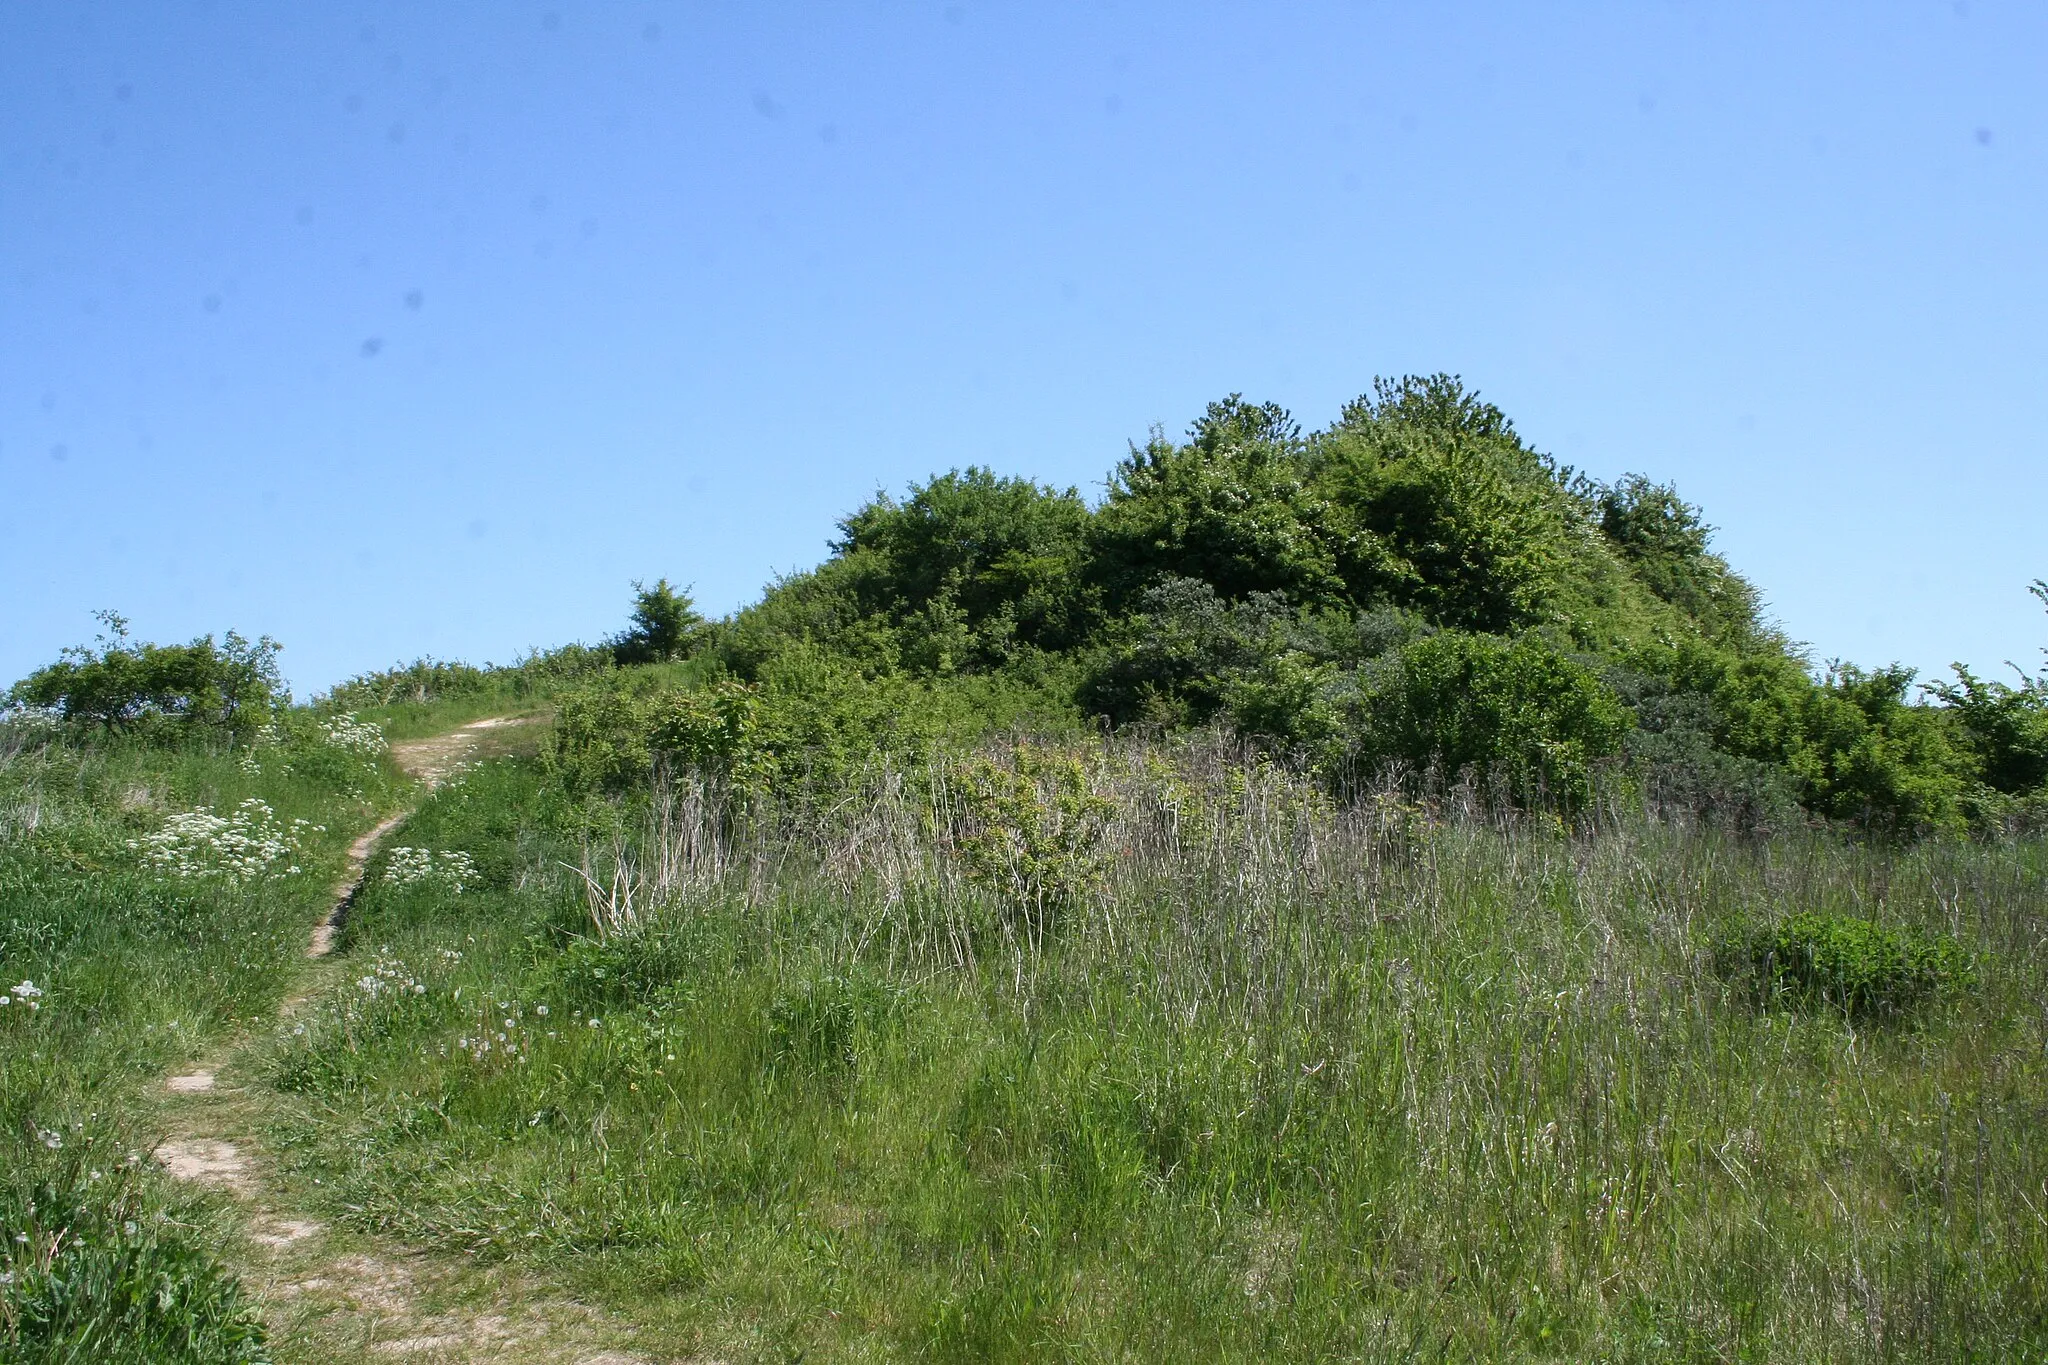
x=1293 y=1083
x=141 y=974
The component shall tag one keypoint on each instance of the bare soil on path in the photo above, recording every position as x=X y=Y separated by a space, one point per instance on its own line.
x=329 y=1295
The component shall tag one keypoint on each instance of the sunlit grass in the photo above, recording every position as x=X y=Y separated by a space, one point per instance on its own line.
x=142 y=967
x=1298 y=1082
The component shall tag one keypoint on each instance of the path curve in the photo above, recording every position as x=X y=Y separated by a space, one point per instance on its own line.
x=383 y=1292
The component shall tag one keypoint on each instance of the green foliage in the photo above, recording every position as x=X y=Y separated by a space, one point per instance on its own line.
x=717 y=731
x=419 y=682
x=1256 y=578
x=1233 y=507
x=603 y=734
x=1869 y=756
x=1674 y=749
x=970 y=567
x=1851 y=743
x=2004 y=727
x=1440 y=507
x=666 y=625
x=229 y=688
x=1513 y=713
x=1664 y=539
x=1180 y=652
x=1852 y=964
x=1031 y=828
x=142 y=970
x=93 y=1276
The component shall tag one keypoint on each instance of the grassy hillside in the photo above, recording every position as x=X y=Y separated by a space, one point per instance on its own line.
x=1371 y=894
x=1137 y=1050
x=155 y=900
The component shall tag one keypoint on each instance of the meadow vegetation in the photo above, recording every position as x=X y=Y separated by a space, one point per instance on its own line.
x=1370 y=894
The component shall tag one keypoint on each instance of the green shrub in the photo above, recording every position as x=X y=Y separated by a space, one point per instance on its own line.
x=230 y=687
x=1233 y=507
x=1031 y=828
x=419 y=682
x=1513 y=711
x=1851 y=964
x=603 y=734
x=716 y=731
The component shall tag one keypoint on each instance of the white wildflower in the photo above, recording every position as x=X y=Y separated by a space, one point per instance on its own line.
x=356 y=736
x=415 y=866
x=199 y=843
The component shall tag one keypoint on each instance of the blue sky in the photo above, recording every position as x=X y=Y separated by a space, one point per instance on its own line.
x=423 y=329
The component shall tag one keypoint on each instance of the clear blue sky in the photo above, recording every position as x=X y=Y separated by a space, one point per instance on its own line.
x=408 y=329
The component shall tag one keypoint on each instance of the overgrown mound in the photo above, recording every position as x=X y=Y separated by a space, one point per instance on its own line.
x=1413 y=591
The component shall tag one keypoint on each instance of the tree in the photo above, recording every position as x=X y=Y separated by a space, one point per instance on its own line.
x=665 y=625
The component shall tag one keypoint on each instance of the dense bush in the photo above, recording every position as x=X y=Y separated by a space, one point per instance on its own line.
x=228 y=688
x=1234 y=508
x=1413 y=586
x=1515 y=714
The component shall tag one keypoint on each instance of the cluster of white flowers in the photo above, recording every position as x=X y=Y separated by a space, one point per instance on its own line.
x=388 y=975
x=27 y=993
x=412 y=866
x=247 y=844
x=364 y=737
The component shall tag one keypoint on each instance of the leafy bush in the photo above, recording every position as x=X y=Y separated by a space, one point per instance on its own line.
x=1441 y=507
x=1495 y=709
x=1233 y=507
x=1031 y=828
x=1177 y=656
x=1664 y=540
x=230 y=687
x=1288 y=586
x=1851 y=964
x=602 y=735
x=716 y=731
x=971 y=566
x=419 y=682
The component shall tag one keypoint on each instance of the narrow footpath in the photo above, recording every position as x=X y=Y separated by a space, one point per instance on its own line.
x=329 y=1295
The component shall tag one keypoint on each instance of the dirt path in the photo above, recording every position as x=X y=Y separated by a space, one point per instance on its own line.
x=330 y=1295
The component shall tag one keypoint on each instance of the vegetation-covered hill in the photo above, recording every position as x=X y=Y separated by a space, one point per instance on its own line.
x=1412 y=589
x=1371 y=894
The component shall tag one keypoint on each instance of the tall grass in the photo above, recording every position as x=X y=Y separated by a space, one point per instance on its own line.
x=1256 y=1076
